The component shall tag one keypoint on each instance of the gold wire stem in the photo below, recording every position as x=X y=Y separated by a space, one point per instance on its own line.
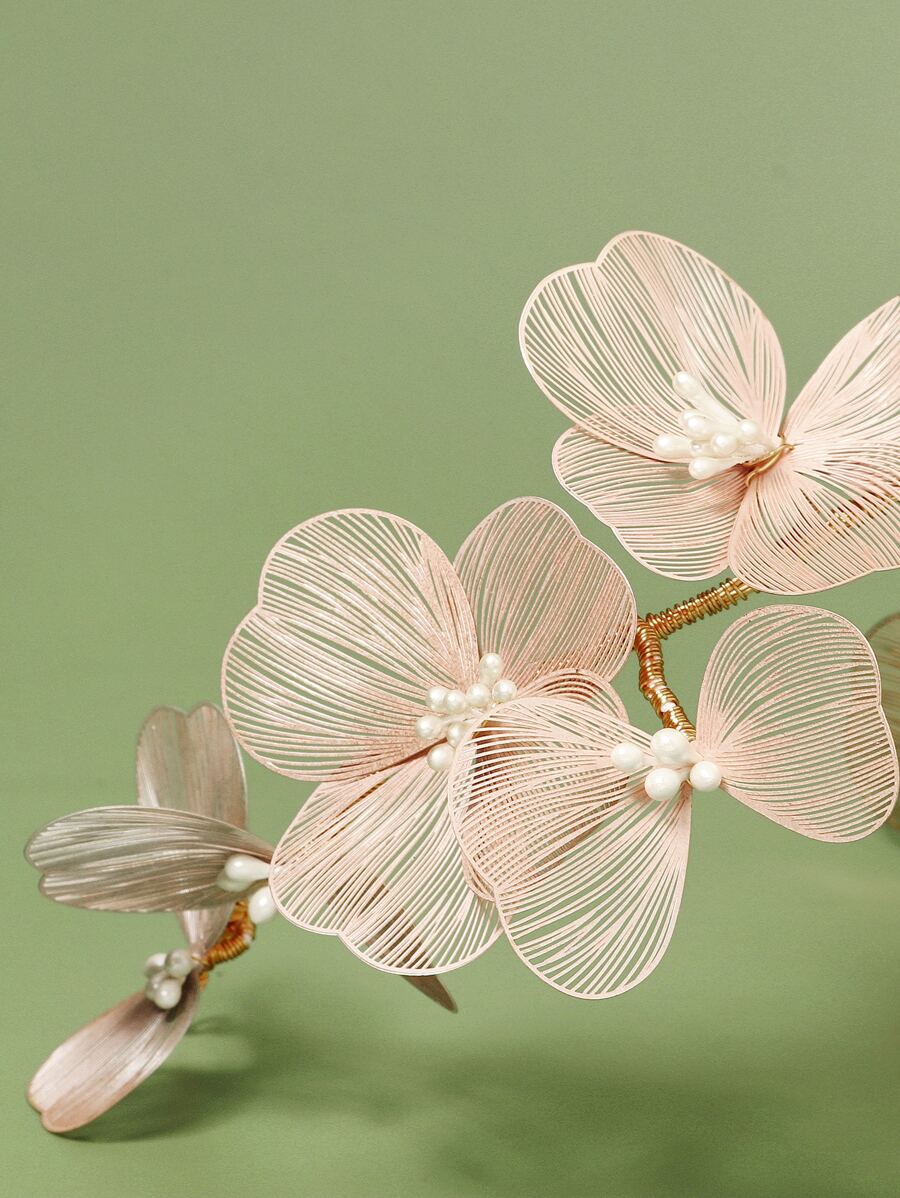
x=653 y=629
x=239 y=934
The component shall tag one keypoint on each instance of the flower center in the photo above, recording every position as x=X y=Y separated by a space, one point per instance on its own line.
x=452 y=713
x=711 y=439
x=165 y=974
x=242 y=874
x=672 y=761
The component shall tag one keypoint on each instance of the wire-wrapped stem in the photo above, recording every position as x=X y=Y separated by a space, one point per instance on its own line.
x=239 y=934
x=653 y=629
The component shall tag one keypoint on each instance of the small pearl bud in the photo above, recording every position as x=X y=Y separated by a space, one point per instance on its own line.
x=686 y=386
x=490 y=667
x=154 y=964
x=749 y=431
x=155 y=980
x=505 y=690
x=261 y=905
x=455 y=734
x=478 y=695
x=705 y=775
x=455 y=703
x=167 y=994
x=703 y=468
x=428 y=727
x=436 y=697
x=441 y=757
x=242 y=868
x=723 y=445
x=698 y=425
x=670 y=747
x=627 y=757
x=662 y=784
x=179 y=963
x=667 y=445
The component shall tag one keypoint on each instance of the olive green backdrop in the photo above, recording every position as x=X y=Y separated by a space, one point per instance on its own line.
x=267 y=259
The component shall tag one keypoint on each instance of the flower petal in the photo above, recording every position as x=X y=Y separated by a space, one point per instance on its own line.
x=376 y=862
x=668 y=521
x=605 y=339
x=137 y=858
x=104 y=1061
x=192 y=763
x=829 y=511
x=789 y=711
x=543 y=596
x=885 y=641
x=586 y=870
x=359 y=614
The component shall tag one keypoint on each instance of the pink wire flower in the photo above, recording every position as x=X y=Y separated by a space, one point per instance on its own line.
x=885 y=641
x=579 y=824
x=367 y=661
x=675 y=382
x=149 y=858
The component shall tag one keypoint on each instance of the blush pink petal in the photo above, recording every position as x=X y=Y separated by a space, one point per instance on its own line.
x=829 y=512
x=790 y=712
x=605 y=339
x=359 y=613
x=376 y=862
x=667 y=520
x=137 y=858
x=543 y=596
x=586 y=871
x=104 y=1061
x=885 y=641
x=192 y=763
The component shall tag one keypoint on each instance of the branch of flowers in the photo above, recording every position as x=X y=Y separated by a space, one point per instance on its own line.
x=653 y=629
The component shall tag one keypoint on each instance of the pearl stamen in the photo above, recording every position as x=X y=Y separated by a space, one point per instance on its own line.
x=671 y=762
x=454 y=712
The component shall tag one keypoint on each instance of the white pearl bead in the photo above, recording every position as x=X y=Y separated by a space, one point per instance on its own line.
x=705 y=775
x=490 y=667
x=155 y=981
x=455 y=703
x=505 y=690
x=724 y=445
x=440 y=757
x=703 y=468
x=229 y=884
x=261 y=905
x=478 y=695
x=686 y=385
x=179 y=963
x=670 y=747
x=455 y=734
x=154 y=964
x=436 y=697
x=749 y=431
x=698 y=425
x=242 y=868
x=668 y=445
x=167 y=994
x=662 y=783
x=627 y=757
x=428 y=726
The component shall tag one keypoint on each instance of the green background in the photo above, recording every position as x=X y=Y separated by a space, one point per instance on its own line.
x=263 y=260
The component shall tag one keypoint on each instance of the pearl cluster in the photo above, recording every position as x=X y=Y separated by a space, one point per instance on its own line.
x=672 y=760
x=165 y=974
x=242 y=872
x=712 y=439
x=452 y=712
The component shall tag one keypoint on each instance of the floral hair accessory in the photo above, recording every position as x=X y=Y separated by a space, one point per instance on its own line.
x=184 y=848
x=579 y=824
x=885 y=641
x=675 y=382
x=368 y=661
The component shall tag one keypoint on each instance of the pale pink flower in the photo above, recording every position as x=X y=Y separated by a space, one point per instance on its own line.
x=885 y=641
x=675 y=382
x=368 y=659
x=578 y=825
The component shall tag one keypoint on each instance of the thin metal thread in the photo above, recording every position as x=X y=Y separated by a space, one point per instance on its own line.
x=239 y=934
x=653 y=629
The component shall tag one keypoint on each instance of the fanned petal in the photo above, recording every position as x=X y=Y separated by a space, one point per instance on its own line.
x=107 y=1059
x=376 y=862
x=829 y=511
x=667 y=520
x=605 y=339
x=885 y=641
x=137 y=858
x=192 y=763
x=543 y=596
x=359 y=614
x=789 y=711
x=586 y=870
